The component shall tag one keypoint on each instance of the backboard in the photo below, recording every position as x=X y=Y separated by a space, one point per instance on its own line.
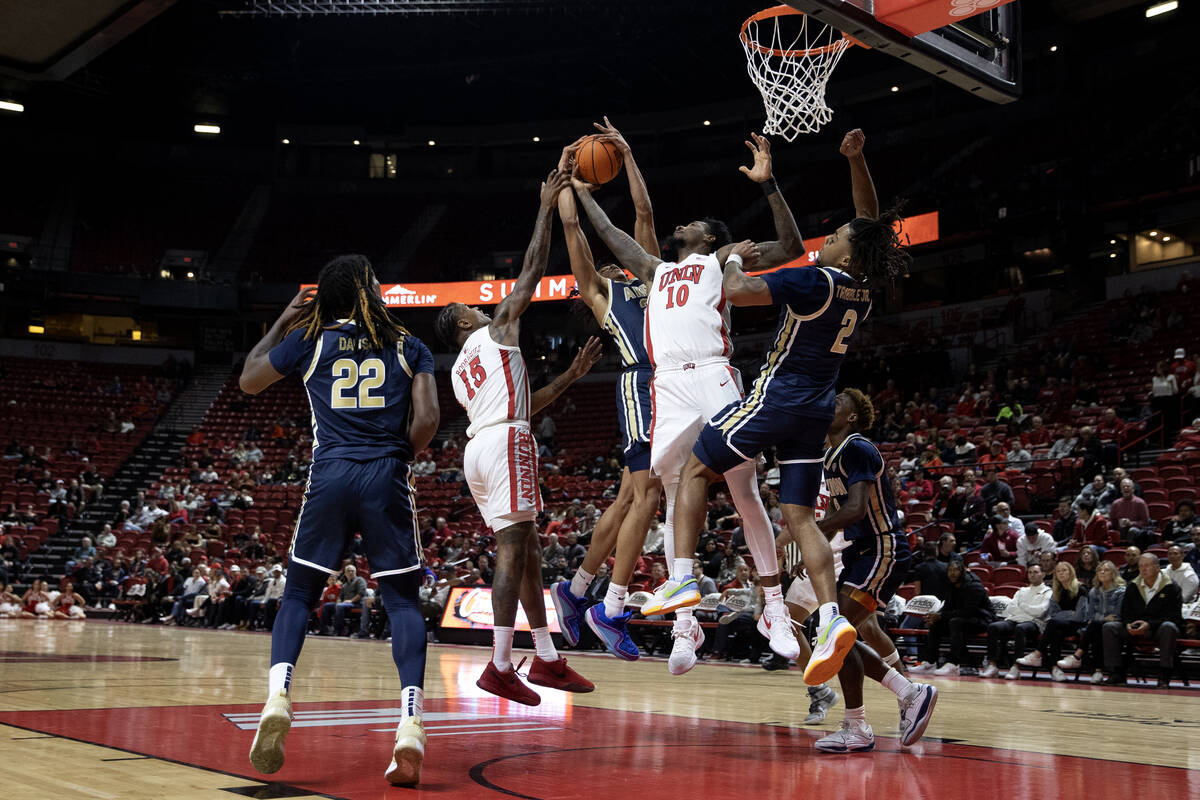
x=980 y=51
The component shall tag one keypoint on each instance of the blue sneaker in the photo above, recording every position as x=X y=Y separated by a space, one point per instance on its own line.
x=569 y=608
x=613 y=632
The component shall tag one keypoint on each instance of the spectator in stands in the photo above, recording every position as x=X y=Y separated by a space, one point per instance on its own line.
x=1179 y=528
x=1103 y=605
x=722 y=516
x=217 y=589
x=1000 y=544
x=425 y=465
x=919 y=487
x=941 y=499
x=574 y=551
x=483 y=566
x=1152 y=610
x=11 y=516
x=1085 y=566
x=908 y=460
x=552 y=550
x=967 y=610
x=1068 y=613
x=1100 y=492
x=1091 y=528
x=1064 y=521
x=964 y=449
x=658 y=576
x=1130 y=571
x=454 y=549
x=233 y=606
x=1065 y=444
x=1090 y=448
x=351 y=595
x=274 y=593
x=207 y=475
x=740 y=622
x=1023 y=621
x=250 y=609
x=1004 y=511
x=1182 y=574
x=995 y=490
x=968 y=509
x=1129 y=517
x=85 y=552
x=1031 y=546
x=1164 y=396
x=929 y=574
x=546 y=431
x=183 y=602
x=1038 y=434
x=993 y=459
x=1018 y=457
x=1182 y=367
x=704 y=584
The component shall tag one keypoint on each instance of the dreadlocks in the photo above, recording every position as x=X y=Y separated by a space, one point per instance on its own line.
x=346 y=288
x=863 y=408
x=877 y=250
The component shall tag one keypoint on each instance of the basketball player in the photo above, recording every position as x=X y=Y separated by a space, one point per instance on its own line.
x=687 y=340
x=374 y=404
x=618 y=304
x=500 y=460
x=875 y=563
x=791 y=404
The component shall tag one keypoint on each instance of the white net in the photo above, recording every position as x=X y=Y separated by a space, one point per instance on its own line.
x=790 y=58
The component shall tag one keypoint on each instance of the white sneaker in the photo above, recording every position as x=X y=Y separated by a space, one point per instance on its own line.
x=990 y=671
x=1070 y=662
x=924 y=666
x=946 y=669
x=1033 y=659
x=855 y=736
x=1014 y=672
x=408 y=754
x=683 y=651
x=266 y=754
x=833 y=643
x=1097 y=676
x=776 y=625
x=672 y=596
x=916 y=709
x=1057 y=674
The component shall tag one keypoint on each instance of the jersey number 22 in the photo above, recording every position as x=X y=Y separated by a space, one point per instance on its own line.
x=348 y=373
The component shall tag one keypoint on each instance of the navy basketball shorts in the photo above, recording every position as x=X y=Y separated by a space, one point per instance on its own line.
x=634 y=414
x=742 y=430
x=346 y=497
x=873 y=568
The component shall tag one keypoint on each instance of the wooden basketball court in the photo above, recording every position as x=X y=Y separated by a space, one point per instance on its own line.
x=92 y=709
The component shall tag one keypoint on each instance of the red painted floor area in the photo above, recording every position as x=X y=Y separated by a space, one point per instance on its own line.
x=489 y=748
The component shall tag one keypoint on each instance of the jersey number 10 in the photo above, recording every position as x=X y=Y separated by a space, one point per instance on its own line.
x=677 y=295
x=478 y=376
x=347 y=372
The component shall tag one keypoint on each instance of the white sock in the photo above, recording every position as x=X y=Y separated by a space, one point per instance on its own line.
x=581 y=581
x=895 y=682
x=892 y=658
x=412 y=701
x=682 y=570
x=859 y=714
x=773 y=595
x=279 y=679
x=544 y=644
x=502 y=648
x=614 y=600
x=683 y=618
x=827 y=611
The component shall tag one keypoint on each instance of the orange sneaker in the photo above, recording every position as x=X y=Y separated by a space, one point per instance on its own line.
x=507 y=685
x=557 y=675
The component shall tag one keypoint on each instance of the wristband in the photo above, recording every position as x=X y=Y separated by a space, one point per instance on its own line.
x=733 y=257
x=770 y=187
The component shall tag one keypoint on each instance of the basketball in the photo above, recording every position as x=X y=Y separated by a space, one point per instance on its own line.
x=599 y=161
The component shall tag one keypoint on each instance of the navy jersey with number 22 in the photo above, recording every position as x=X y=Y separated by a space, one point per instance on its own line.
x=360 y=398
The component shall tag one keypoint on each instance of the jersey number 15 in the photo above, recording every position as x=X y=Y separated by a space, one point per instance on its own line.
x=478 y=376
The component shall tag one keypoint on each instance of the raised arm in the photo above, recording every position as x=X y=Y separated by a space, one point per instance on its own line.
x=257 y=372
x=592 y=288
x=862 y=188
x=587 y=356
x=534 y=267
x=789 y=245
x=425 y=412
x=643 y=225
x=741 y=289
x=629 y=253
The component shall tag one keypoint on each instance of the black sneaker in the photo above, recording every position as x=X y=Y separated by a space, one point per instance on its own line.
x=969 y=671
x=775 y=662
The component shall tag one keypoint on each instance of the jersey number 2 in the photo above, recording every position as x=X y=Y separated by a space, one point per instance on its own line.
x=347 y=371
x=478 y=375
x=848 y=323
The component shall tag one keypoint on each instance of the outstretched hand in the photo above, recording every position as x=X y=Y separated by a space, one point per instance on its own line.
x=852 y=143
x=566 y=163
x=760 y=171
x=613 y=135
x=555 y=182
x=585 y=359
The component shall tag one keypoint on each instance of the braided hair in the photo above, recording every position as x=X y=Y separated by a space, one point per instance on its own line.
x=876 y=246
x=446 y=325
x=346 y=287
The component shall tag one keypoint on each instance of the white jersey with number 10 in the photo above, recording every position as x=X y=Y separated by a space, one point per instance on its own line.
x=687 y=319
x=490 y=382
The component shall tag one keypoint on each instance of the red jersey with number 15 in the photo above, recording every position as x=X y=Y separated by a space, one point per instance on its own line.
x=490 y=382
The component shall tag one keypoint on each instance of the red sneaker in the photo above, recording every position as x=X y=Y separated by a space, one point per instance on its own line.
x=557 y=675
x=507 y=685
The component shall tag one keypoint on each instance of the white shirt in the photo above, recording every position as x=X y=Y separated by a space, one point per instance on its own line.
x=1030 y=604
x=1164 y=387
x=687 y=319
x=1026 y=547
x=1187 y=580
x=193 y=586
x=490 y=382
x=275 y=588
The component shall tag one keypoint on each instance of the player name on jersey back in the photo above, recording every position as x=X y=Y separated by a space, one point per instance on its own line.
x=490 y=381
x=687 y=320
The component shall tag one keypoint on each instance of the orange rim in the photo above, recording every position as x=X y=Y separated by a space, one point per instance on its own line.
x=784 y=11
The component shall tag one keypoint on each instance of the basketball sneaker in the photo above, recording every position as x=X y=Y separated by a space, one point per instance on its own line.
x=266 y=754
x=990 y=671
x=855 y=736
x=569 y=609
x=688 y=640
x=1070 y=662
x=557 y=675
x=407 y=755
x=507 y=684
x=613 y=632
x=672 y=596
x=833 y=642
x=1033 y=659
x=916 y=709
x=775 y=624
x=823 y=699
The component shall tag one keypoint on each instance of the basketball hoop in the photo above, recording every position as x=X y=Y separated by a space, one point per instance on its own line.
x=791 y=77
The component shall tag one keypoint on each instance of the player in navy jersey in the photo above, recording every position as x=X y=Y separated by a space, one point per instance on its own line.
x=618 y=304
x=374 y=403
x=874 y=564
x=791 y=403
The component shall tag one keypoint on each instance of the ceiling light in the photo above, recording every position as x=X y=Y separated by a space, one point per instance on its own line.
x=11 y=105
x=286 y=141
x=1053 y=48
x=204 y=128
x=191 y=275
x=1112 y=255
x=1166 y=238
x=1112 y=241
x=1161 y=8
x=36 y=329
x=431 y=142
x=1154 y=233
x=895 y=88
x=357 y=142
x=707 y=122
x=537 y=138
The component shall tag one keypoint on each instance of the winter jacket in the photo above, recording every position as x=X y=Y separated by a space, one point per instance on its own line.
x=1101 y=603
x=1165 y=603
x=969 y=600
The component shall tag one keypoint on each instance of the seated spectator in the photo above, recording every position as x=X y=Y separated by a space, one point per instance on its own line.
x=1091 y=528
x=993 y=459
x=1064 y=521
x=574 y=551
x=919 y=487
x=1129 y=518
x=84 y=552
x=964 y=449
x=740 y=623
x=552 y=551
x=704 y=584
x=1004 y=511
x=1085 y=566
x=1090 y=448
x=658 y=576
x=1038 y=434
x=217 y=589
x=1068 y=612
x=1000 y=545
x=722 y=516
x=967 y=610
x=557 y=571
x=1103 y=605
x=654 y=538
x=1152 y=610
x=424 y=466
x=1018 y=457
x=1182 y=574
x=181 y=603
x=350 y=596
x=1179 y=528
x=929 y=575
x=106 y=537
x=1131 y=570
x=995 y=490
x=1100 y=492
x=1023 y=621
x=1031 y=546
x=275 y=586
x=908 y=460
x=1065 y=444
x=434 y=593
